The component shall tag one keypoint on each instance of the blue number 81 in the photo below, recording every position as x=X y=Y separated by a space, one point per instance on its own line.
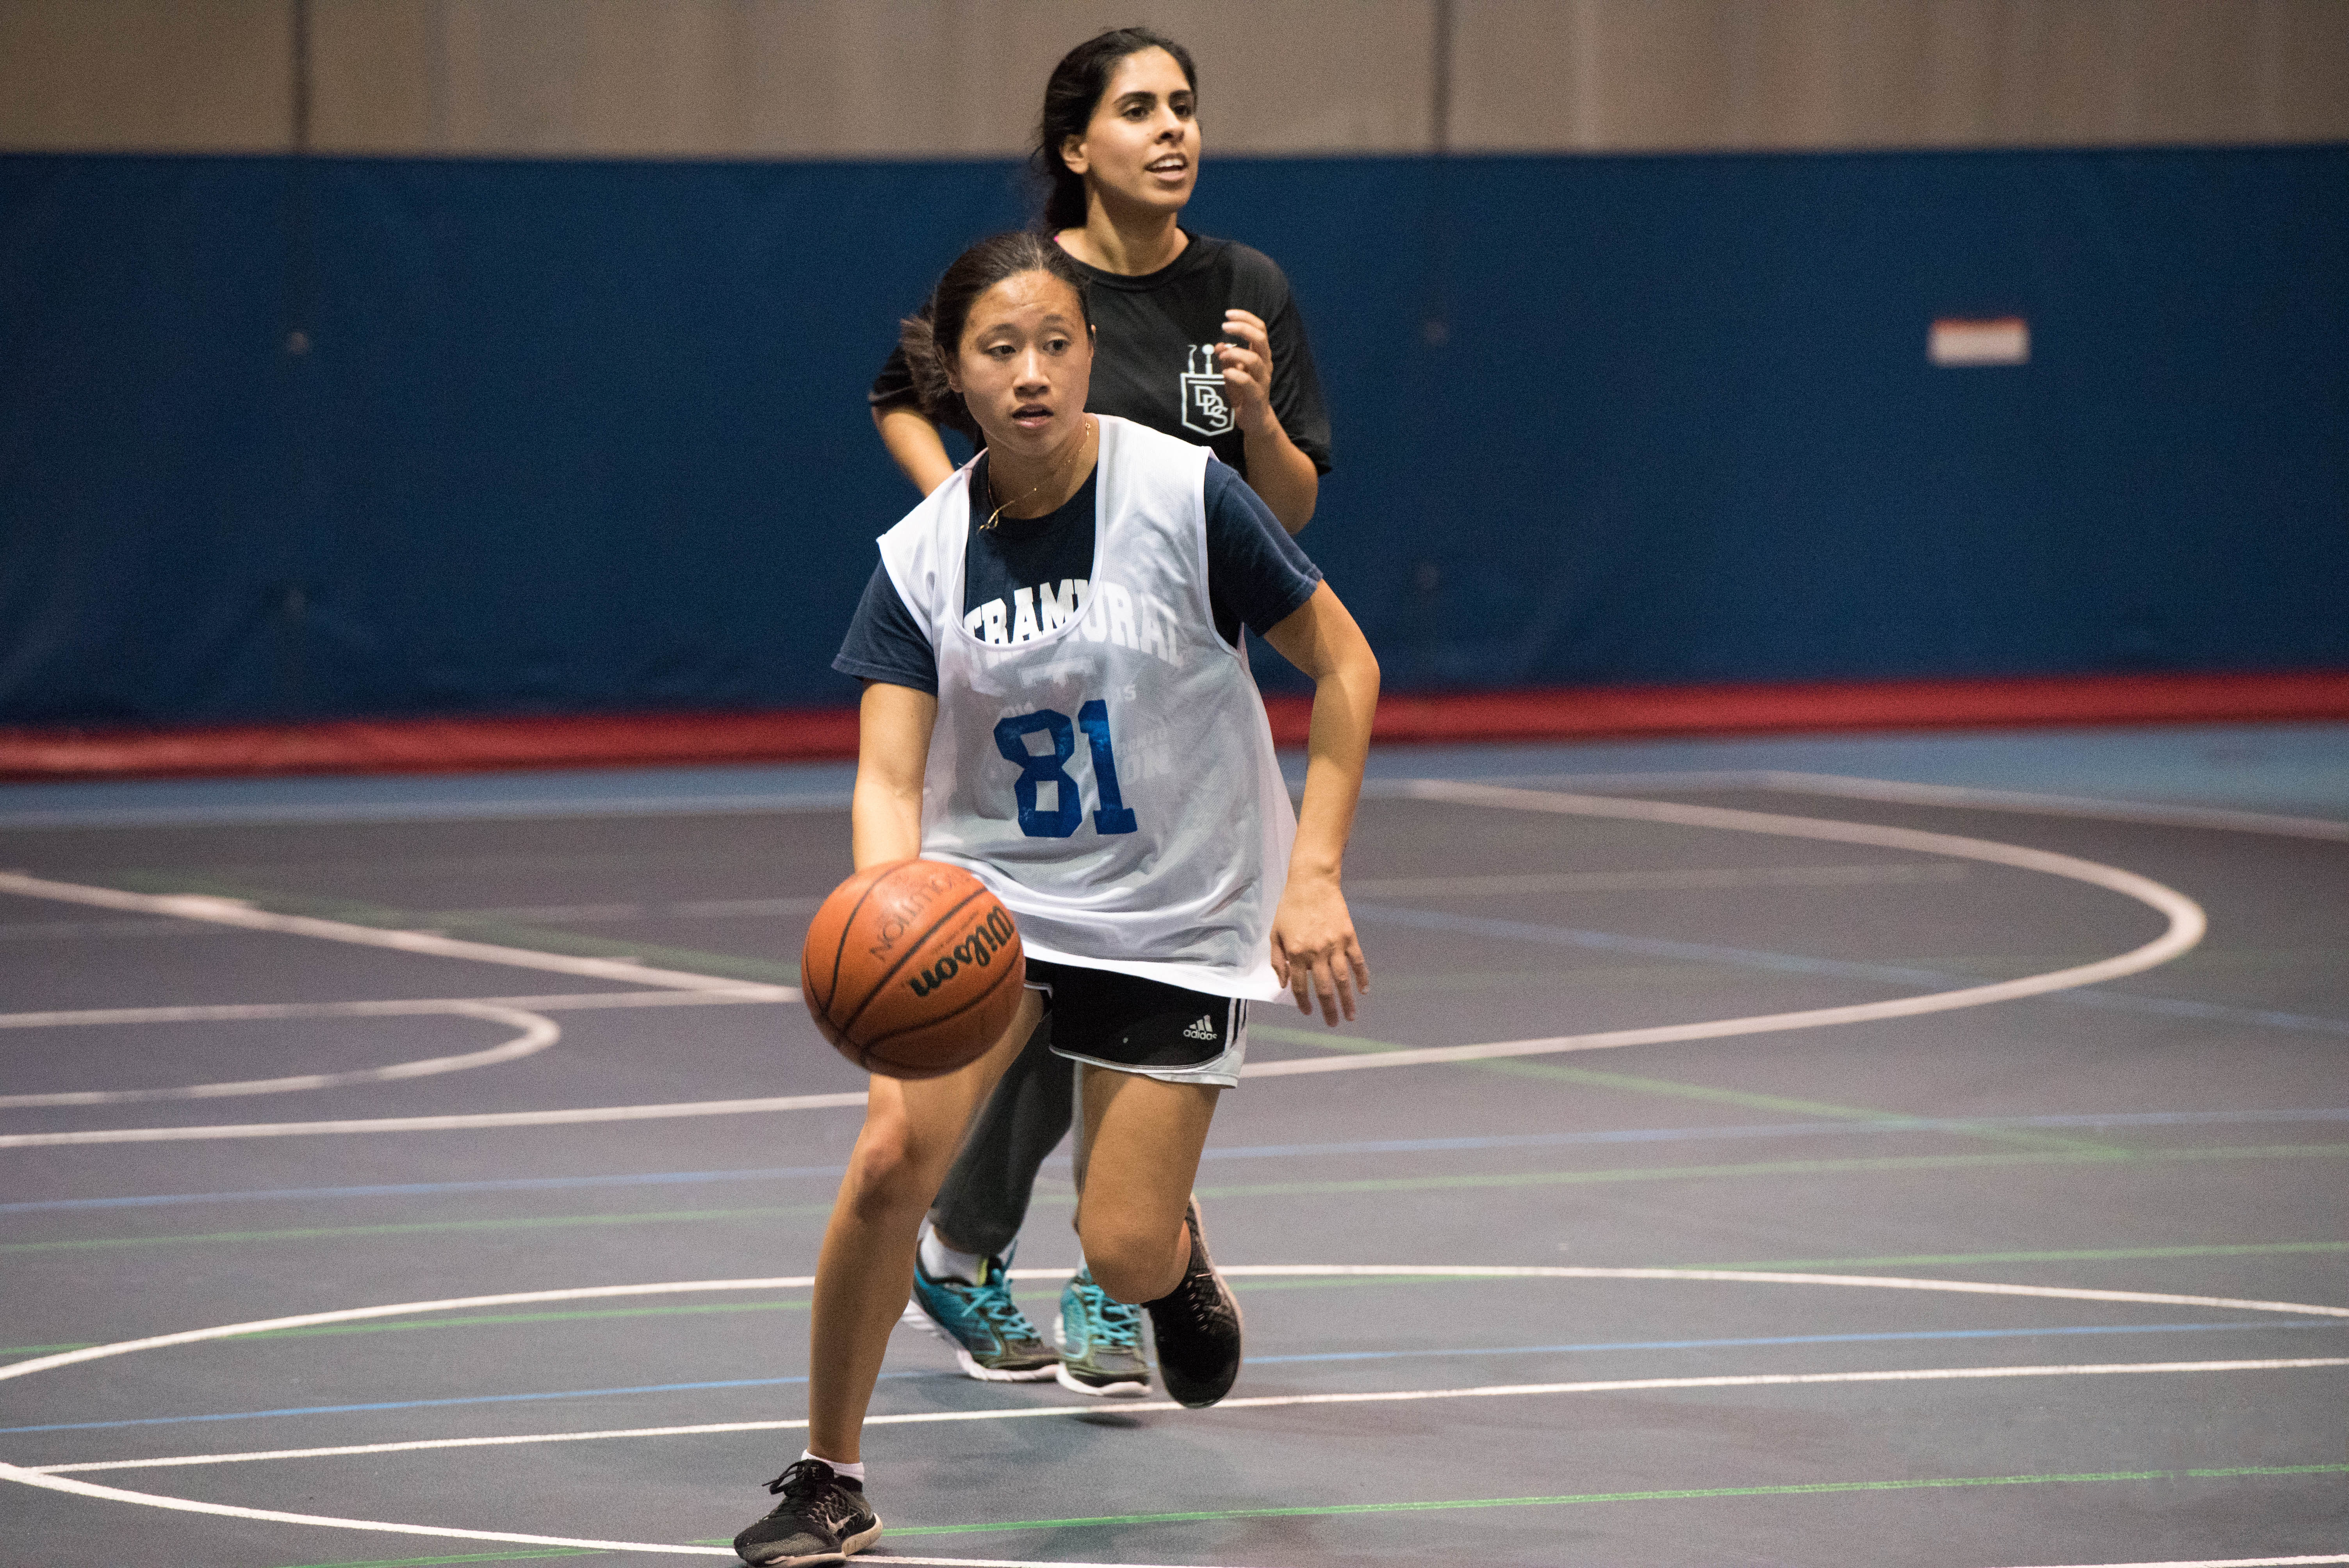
x=1037 y=769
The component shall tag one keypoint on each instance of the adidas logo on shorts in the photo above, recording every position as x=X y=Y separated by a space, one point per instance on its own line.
x=1205 y=1029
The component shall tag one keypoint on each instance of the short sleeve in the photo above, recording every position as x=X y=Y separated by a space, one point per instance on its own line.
x=893 y=388
x=885 y=642
x=1296 y=387
x=1257 y=574
x=896 y=388
x=1261 y=286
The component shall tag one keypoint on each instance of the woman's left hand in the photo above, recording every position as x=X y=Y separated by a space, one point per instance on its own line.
x=1314 y=950
x=1248 y=369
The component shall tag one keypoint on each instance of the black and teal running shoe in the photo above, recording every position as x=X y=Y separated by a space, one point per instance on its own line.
x=993 y=1340
x=1196 y=1326
x=1101 y=1342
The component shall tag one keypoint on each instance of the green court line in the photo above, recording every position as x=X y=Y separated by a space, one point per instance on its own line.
x=1602 y=1176
x=540 y=1555
x=1674 y=1089
x=1775 y=1168
x=420 y=1227
x=396 y=1325
x=46 y=1349
x=1799 y=1489
x=2260 y=1248
x=458 y=923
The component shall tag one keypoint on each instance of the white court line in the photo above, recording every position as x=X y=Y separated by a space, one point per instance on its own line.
x=537 y=1034
x=1240 y=1270
x=2187 y=925
x=1959 y=797
x=1966 y=797
x=1692 y=878
x=236 y=911
x=581 y=1116
x=348 y=1315
x=2222 y=1562
x=1259 y=1402
x=233 y=1012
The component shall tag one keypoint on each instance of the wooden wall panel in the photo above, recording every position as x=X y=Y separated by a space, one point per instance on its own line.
x=145 y=75
x=916 y=78
x=1640 y=75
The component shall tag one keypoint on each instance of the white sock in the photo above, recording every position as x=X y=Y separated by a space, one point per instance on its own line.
x=855 y=1473
x=942 y=1262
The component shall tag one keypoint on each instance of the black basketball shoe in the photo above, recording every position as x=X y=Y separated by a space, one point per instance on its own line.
x=1197 y=1328
x=823 y=1518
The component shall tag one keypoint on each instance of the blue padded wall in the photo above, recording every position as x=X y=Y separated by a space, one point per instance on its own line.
x=584 y=436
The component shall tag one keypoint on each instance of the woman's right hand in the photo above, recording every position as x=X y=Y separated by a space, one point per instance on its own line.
x=1314 y=949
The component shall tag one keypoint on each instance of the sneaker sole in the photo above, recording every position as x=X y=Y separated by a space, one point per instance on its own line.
x=971 y=1369
x=1132 y=1387
x=915 y=1317
x=1123 y=1388
x=848 y=1548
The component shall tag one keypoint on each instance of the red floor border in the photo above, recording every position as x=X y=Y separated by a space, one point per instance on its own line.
x=620 y=741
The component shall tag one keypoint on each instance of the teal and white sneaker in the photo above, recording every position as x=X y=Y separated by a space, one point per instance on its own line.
x=1099 y=1341
x=993 y=1340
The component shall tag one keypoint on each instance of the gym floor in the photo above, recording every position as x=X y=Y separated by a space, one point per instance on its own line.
x=1750 y=1152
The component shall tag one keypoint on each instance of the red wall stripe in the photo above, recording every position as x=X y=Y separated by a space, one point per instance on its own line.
x=620 y=741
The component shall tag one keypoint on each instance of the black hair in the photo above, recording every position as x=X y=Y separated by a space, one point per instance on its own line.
x=1070 y=96
x=932 y=338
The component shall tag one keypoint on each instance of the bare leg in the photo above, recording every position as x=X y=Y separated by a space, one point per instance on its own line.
x=866 y=1272
x=1138 y=1156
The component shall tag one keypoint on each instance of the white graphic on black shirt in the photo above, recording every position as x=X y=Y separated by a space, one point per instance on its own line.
x=1204 y=407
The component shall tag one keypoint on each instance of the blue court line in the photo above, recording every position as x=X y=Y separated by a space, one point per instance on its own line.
x=433 y=1404
x=1253 y=1361
x=1830 y=968
x=1806 y=1339
x=1255 y=1152
x=434 y=1189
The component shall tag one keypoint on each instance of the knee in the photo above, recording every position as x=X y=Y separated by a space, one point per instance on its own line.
x=1131 y=1264
x=889 y=1173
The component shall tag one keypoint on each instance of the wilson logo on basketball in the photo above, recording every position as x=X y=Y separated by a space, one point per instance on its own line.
x=985 y=940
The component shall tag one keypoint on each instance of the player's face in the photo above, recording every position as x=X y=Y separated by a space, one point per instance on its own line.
x=1025 y=363
x=1141 y=148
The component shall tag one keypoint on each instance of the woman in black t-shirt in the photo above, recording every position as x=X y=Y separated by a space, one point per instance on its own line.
x=1197 y=337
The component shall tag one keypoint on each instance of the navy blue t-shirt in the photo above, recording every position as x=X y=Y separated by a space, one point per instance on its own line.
x=1257 y=577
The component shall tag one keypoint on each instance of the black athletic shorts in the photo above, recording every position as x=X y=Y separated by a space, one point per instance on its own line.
x=1146 y=1026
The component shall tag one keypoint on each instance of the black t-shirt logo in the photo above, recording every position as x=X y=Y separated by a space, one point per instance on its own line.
x=1204 y=407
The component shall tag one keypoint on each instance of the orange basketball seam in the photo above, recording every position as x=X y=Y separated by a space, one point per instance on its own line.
x=847 y=924
x=846 y=1025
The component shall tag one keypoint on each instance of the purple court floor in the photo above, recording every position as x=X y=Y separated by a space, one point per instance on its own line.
x=1916 y=1151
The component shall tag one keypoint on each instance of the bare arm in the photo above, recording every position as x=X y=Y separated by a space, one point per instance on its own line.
x=914 y=442
x=1312 y=934
x=892 y=749
x=1277 y=468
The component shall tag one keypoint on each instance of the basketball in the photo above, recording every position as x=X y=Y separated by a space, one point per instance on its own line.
x=912 y=969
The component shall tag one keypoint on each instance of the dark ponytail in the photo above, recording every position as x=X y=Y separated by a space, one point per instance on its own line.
x=1070 y=96
x=932 y=338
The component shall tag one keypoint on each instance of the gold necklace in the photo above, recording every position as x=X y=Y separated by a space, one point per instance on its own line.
x=1074 y=448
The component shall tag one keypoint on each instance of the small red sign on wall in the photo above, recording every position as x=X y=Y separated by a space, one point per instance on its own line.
x=1958 y=341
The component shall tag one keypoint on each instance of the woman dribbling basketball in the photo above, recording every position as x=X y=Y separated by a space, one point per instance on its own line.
x=1056 y=699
